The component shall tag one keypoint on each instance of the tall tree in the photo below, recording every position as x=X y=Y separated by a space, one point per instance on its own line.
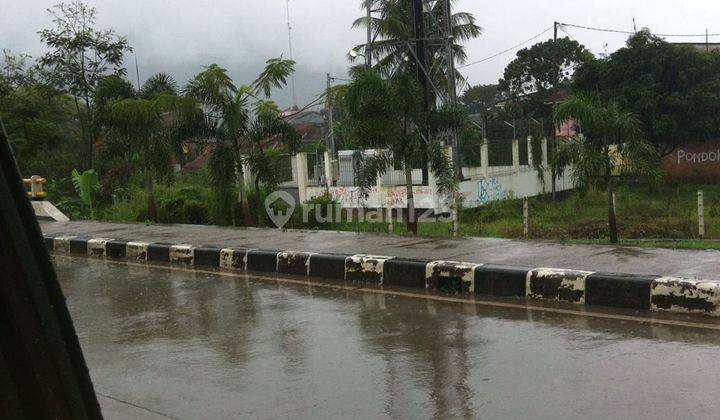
x=673 y=89
x=239 y=120
x=611 y=141
x=79 y=56
x=389 y=115
x=536 y=68
x=392 y=27
x=481 y=98
x=148 y=129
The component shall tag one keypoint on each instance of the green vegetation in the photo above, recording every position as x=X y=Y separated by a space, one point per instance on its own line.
x=74 y=108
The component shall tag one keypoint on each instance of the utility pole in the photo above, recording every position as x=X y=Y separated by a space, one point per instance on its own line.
x=556 y=80
x=420 y=48
x=290 y=51
x=452 y=86
x=368 y=46
x=331 y=123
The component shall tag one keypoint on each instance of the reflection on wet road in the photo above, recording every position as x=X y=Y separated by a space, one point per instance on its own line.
x=197 y=345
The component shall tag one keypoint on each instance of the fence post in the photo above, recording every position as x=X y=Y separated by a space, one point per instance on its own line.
x=544 y=148
x=526 y=218
x=328 y=170
x=531 y=158
x=516 y=155
x=301 y=175
x=701 y=214
x=484 y=158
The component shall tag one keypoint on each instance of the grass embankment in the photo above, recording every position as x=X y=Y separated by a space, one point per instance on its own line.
x=650 y=217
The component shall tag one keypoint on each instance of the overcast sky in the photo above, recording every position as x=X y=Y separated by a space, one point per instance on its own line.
x=180 y=36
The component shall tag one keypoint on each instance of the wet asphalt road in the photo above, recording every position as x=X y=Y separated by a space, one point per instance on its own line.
x=179 y=344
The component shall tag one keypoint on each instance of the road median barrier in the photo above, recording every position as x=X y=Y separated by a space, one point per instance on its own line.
x=639 y=292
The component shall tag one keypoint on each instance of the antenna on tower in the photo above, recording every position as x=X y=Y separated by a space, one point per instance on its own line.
x=292 y=77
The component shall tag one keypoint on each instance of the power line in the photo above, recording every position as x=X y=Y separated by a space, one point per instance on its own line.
x=506 y=50
x=618 y=31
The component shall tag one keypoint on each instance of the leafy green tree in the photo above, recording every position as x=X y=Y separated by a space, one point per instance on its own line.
x=673 y=89
x=388 y=115
x=41 y=128
x=611 y=142
x=535 y=68
x=79 y=56
x=481 y=98
x=239 y=121
x=394 y=27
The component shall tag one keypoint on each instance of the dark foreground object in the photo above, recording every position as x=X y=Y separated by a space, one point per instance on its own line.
x=42 y=370
x=194 y=345
x=648 y=292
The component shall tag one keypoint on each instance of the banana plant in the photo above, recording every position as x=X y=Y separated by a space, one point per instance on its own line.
x=87 y=185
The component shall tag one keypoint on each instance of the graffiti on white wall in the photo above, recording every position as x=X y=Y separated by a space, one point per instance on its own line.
x=490 y=190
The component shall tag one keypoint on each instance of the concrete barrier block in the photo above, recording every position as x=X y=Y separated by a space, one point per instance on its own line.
x=79 y=246
x=365 y=268
x=233 y=258
x=452 y=276
x=557 y=284
x=297 y=263
x=404 y=273
x=49 y=242
x=96 y=246
x=263 y=261
x=618 y=290
x=501 y=280
x=328 y=266
x=207 y=256
x=61 y=244
x=182 y=254
x=685 y=295
x=137 y=251
x=158 y=252
x=116 y=249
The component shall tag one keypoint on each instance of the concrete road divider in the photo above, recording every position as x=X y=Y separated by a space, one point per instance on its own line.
x=365 y=268
x=682 y=295
x=207 y=256
x=640 y=292
x=296 y=263
x=137 y=251
x=182 y=254
x=96 y=247
x=451 y=276
x=557 y=284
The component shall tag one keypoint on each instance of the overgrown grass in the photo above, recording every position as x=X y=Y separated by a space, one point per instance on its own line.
x=665 y=216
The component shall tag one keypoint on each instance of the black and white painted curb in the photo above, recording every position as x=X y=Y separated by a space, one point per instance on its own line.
x=653 y=293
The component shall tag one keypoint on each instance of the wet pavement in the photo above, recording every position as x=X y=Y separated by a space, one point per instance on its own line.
x=164 y=343
x=613 y=259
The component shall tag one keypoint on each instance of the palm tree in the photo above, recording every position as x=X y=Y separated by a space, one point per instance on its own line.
x=239 y=129
x=158 y=84
x=149 y=130
x=389 y=115
x=610 y=143
x=393 y=28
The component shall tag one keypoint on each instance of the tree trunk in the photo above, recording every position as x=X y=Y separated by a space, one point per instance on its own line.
x=612 y=220
x=260 y=207
x=151 y=203
x=411 y=216
x=243 y=199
